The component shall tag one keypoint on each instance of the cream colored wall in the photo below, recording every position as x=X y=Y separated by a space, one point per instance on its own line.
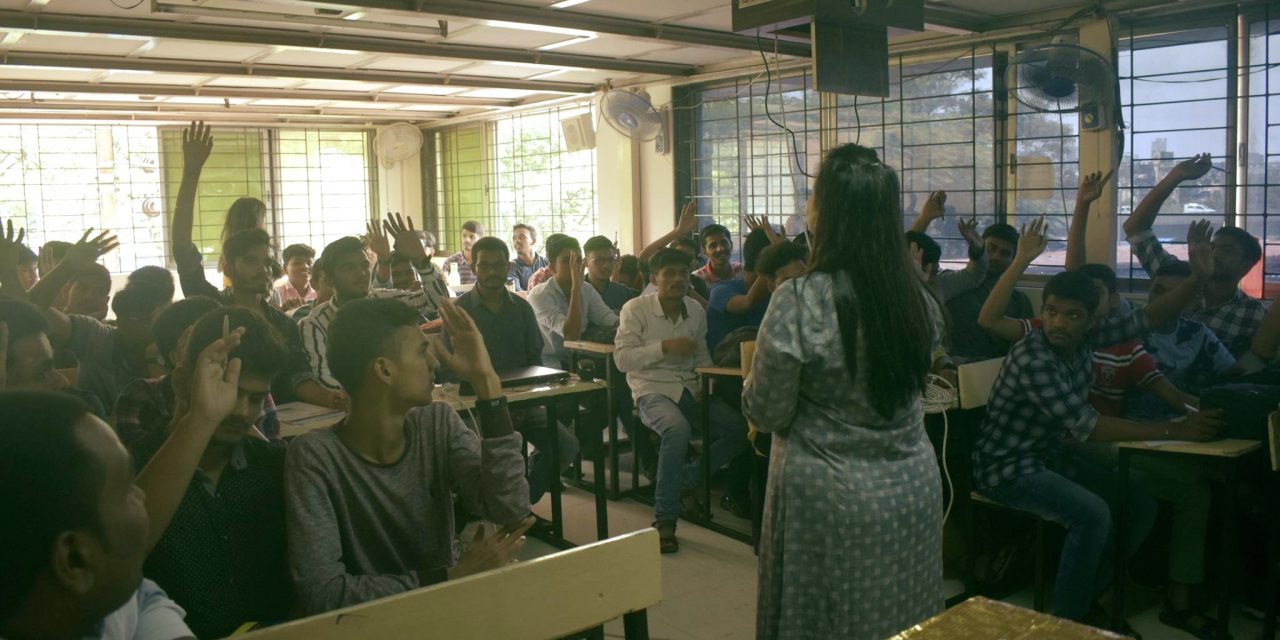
x=400 y=188
x=635 y=185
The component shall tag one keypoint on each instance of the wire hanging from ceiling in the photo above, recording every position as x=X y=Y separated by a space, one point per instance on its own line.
x=127 y=8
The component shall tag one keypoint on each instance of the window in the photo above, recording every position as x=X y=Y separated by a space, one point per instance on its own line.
x=516 y=169
x=1173 y=90
x=59 y=180
x=743 y=163
x=1261 y=181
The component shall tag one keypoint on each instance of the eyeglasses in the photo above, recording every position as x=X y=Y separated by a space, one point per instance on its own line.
x=602 y=261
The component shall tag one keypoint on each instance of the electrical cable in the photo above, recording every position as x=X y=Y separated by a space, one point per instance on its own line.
x=939 y=397
x=132 y=6
x=768 y=87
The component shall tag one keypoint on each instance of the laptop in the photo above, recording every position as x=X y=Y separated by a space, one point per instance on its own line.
x=522 y=377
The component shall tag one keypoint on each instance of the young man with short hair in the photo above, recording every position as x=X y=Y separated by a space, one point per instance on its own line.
x=296 y=290
x=948 y=284
x=524 y=239
x=742 y=301
x=28 y=355
x=73 y=528
x=567 y=309
x=89 y=293
x=1040 y=404
x=661 y=340
x=1233 y=316
x=627 y=272
x=968 y=341
x=348 y=273
x=682 y=239
x=369 y=501
x=781 y=262
x=28 y=267
x=513 y=341
x=323 y=292
x=215 y=491
x=717 y=244
x=471 y=231
x=601 y=256
x=403 y=277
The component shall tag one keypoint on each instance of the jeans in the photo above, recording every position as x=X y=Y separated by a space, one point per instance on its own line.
x=532 y=424
x=674 y=424
x=1079 y=504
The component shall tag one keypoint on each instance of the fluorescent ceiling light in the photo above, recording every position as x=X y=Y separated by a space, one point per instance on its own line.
x=293 y=18
x=503 y=24
x=11 y=38
x=354 y=16
x=565 y=4
x=525 y=65
x=549 y=74
x=565 y=43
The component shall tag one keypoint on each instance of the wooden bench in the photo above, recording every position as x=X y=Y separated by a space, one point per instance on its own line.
x=548 y=597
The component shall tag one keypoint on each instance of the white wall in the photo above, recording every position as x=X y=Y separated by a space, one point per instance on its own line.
x=635 y=185
x=400 y=188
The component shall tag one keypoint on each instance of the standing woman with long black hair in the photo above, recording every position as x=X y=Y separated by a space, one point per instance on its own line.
x=852 y=541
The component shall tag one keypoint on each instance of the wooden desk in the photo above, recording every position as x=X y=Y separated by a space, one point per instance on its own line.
x=583 y=346
x=979 y=619
x=547 y=395
x=705 y=376
x=1224 y=452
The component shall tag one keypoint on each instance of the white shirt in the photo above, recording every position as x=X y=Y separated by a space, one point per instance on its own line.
x=148 y=615
x=551 y=308
x=643 y=328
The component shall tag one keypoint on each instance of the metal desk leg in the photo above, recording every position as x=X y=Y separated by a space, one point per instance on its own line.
x=611 y=414
x=557 y=517
x=602 y=506
x=1273 y=558
x=1227 y=530
x=635 y=625
x=704 y=408
x=1121 y=541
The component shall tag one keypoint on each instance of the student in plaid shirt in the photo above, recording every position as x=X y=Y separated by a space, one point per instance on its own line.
x=1233 y=316
x=1039 y=404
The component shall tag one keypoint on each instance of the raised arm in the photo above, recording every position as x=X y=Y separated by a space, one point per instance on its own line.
x=1166 y=308
x=10 y=282
x=197 y=144
x=79 y=257
x=381 y=246
x=1031 y=244
x=1090 y=190
x=953 y=283
x=687 y=225
x=1144 y=215
x=933 y=209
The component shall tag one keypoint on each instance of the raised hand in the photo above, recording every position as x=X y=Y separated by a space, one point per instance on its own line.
x=935 y=206
x=1200 y=248
x=197 y=144
x=406 y=237
x=1194 y=167
x=688 y=218
x=1032 y=242
x=9 y=241
x=86 y=250
x=214 y=377
x=575 y=267
x=378 y=242
x=470 y=358
x=1091 y=187
x=969 y=231
x=761 y=222
x=491 y=552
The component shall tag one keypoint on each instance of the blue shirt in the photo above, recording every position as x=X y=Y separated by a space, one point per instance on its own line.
x=720 y=322
x=1190 y=356
x=520 y=272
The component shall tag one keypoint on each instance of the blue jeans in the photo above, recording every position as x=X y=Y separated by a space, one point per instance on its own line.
x=674 y=424
x=532 y=424
x=1080 y=504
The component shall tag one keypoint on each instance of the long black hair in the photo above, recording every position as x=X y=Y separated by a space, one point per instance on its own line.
x=858 y=239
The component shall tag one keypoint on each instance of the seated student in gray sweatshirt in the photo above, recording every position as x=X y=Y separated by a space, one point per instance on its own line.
x=369 y=501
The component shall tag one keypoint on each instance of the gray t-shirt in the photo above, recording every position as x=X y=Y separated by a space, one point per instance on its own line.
x=360 y=531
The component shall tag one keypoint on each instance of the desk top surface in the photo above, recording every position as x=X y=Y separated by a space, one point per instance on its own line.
x=589 y=347
x=734 y=372
x=297 y=418
x=1214 y=449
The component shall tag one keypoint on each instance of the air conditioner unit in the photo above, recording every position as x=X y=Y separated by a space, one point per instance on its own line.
x=579 y=132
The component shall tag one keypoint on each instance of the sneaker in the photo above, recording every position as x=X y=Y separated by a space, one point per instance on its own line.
x=667 y=542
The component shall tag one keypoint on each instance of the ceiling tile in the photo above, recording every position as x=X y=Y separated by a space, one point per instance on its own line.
x=99 y=45
x=718 y=19
x=506 y=70
x=343 y=85
x=141 y=77
x=314 y=57
x=503 y=37
x=414 y=64
x=504 y=94
x=214 y=51
x=256 y=82
x=425 y=90
x=695 y=55
x=19 y=72
x=649 y=10
x=613 y=47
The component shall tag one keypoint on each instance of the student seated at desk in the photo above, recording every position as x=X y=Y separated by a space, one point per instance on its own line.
x=969 y=342
x=215 y=490
x=73 y=528
x=369 y=501
x=566 y=309
x=527 y=261
x=471 y=231
x=511 y=337
x=681 y=238
x=661 y=340
x=601 y=256
x=740 y=303
x=1039 y=404
x=948 y=284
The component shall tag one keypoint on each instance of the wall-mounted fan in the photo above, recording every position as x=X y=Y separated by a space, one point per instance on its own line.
x=396 y=142
x=632 y=114
x=1064 y=78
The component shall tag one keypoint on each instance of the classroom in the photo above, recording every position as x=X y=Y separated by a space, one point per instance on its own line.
x=670 y=320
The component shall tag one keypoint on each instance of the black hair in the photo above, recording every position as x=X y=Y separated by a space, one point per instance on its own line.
x=317 y=272
x=711 y=231
x=49 y=483
x=262 y=349
x=1100 y=272
x=777 y=256
x=1001 y=231
x=473 y=226
x=244 y=214
x=668 y=258
x=362 y=331
x=881 y=306
x=492 y=245
x=336 y=249
x=24 y=321
x=240 y=242
x=533 y=233
x=1174 y=268
x=137 y=301
x=1075 y=286
x=176 y=319
x=1250 y=249
x=597 y=243
x=54 y=250
x=686 y=241
x=151 y=274
x=95 y=275
x=932 y=250
x=298 y=251
x=756 y=242
x=557 y=246
x=628 y=265
x=399 y=258
x=26 y=255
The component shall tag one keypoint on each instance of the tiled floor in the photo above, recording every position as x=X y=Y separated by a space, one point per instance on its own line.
x=709 y=587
